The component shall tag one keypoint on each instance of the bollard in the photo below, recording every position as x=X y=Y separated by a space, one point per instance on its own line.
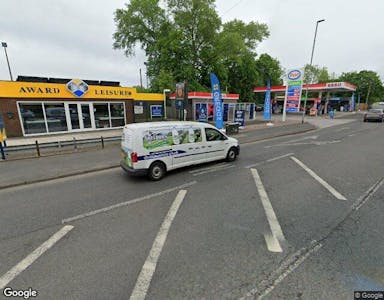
x=59 y=144
x=74 y=143
x=37 y=148
x=2 y=150
x=102 y=142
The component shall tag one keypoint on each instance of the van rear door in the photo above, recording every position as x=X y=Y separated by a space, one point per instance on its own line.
x=127 y=145
x=157 y=145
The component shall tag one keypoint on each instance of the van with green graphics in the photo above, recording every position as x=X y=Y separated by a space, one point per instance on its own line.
x=153 y=148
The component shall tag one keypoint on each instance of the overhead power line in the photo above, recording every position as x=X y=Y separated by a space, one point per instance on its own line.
x=228 y=10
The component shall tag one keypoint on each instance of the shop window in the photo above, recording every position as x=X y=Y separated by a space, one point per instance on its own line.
x=117 y=114
x=56 y=119
x=101 y=115
x=32 y=117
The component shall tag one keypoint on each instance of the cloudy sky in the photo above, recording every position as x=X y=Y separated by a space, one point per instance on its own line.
x=73 y=39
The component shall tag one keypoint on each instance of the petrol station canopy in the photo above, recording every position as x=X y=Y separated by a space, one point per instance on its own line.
x=331 y=87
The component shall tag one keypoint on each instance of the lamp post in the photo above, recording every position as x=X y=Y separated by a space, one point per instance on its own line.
x=4 y=45
x=366 y=100
x=310 y=65
x=165 y=104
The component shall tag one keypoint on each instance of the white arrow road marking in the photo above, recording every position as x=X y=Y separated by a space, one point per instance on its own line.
x=320 y=180
x=143 y=281
x=277 y=236
x=26 y=262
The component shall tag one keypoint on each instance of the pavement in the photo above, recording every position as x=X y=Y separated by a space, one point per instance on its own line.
x=53 y=164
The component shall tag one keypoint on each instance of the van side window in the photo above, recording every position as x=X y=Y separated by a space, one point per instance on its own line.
x=213 y=135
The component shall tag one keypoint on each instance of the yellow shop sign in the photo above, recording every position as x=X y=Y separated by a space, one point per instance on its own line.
x=74 y=89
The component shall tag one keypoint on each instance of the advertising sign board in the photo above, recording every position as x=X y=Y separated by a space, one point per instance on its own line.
x=156 y=111
x=240 y=117
x=295 y=79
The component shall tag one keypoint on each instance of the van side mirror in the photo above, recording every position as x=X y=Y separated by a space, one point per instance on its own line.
x=223 y=138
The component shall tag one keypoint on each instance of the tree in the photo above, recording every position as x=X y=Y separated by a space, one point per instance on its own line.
x=315 y=74
x=186 y=40
x=368 y=84
x=236 y=56
x=269 y=68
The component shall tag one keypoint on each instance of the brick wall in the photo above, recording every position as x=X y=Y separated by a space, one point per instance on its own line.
x=8 y=110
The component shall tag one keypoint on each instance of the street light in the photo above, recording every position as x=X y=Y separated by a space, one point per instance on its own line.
x=165 y=104
x=310 y=65
x=4 y=45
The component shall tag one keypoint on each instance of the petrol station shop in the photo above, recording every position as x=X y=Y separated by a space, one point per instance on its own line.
x=323 y=96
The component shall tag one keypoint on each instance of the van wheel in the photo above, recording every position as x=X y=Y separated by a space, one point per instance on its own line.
x=231 y=155
x=156 y=171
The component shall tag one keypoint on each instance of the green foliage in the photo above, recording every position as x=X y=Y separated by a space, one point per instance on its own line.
x=185 y=40
x=268 y=67
x=368 y=84
x=140 y=89
x=315 y=74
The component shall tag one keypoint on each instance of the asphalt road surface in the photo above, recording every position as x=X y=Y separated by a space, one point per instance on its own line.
x=296 y=217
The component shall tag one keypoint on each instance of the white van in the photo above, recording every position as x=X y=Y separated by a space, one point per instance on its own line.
x=153 y=148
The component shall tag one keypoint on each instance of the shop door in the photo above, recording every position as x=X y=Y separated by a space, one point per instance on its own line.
x=79 y=116
x=85 y=113
x=74 y=119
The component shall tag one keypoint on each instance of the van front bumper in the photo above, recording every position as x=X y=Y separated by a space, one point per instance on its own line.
x=132 y=171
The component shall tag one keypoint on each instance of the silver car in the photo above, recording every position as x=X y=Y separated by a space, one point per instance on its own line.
x=374 y=114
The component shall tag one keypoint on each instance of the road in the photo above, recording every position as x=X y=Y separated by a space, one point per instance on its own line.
x=295 y=217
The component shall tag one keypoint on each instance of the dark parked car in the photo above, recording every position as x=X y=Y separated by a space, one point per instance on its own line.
x=375 y=114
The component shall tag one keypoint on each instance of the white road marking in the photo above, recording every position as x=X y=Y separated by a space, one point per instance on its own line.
x=27 y=261
x=208 y=168
x=290 y=270
x=343 y=128
x=269 y=160
x=320 y=180
x=287 y=267
x=103 y=210
x=367 y=195
x=214 y=170
x=317 y=143
x=272 y=243
x=143 y=281
x=277 y=234
x=312 y=137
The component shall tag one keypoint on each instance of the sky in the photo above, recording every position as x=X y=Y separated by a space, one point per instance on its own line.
x=73 y=39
